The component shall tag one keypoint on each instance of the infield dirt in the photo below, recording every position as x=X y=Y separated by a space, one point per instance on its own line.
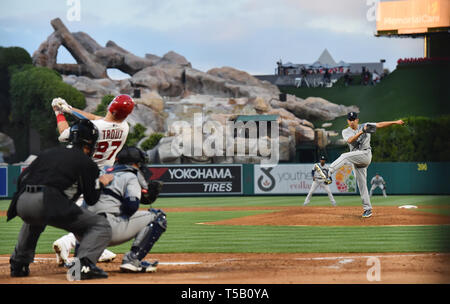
x=274 y=268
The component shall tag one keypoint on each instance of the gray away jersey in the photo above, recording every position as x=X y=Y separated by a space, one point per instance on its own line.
x=317 y=173
x=125 y=184
x=377 y=181
x=363 y=142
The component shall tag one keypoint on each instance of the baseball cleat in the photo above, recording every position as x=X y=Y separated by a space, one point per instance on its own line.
x=367 y=213
x=107 y=256
x=62 y=253
x=139 y=266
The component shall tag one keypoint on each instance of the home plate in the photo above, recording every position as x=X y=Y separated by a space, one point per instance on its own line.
x=408 y=206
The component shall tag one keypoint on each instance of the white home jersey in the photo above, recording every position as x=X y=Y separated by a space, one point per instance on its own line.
x=111 y=138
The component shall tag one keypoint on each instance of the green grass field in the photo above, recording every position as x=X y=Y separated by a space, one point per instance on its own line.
x=184 y=234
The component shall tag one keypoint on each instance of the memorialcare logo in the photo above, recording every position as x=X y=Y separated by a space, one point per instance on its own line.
x=266 y=183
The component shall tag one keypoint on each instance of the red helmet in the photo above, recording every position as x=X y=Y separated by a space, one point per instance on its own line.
x=121 y=106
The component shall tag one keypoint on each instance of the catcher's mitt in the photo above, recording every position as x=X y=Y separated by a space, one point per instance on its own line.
x=369 y=128
x=148 y=196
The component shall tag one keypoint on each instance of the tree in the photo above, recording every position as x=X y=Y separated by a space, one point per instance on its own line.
x=420 y=139
x=151 y=141
x=32 y=90
x=103 y=106
x=136 y=135
x=9 y=57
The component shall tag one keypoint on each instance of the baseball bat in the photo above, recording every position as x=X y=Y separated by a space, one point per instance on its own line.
x=78 y=115
x=320 y=171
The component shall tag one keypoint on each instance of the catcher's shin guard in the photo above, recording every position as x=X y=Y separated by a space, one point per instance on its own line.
x=147 y=237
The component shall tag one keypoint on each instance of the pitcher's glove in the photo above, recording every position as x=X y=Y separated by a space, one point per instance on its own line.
x=148 y=196
x=369 y=128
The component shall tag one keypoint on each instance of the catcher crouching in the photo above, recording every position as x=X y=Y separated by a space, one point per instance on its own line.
x=119 y=204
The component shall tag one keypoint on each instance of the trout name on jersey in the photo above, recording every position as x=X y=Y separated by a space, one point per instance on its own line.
x=112 y=134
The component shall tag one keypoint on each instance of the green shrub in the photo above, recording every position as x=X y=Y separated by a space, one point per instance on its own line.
x=420 y=139
x=103 y=106
x=136 y=135
x=32 y=90
x=11 y=57
x=151 y=141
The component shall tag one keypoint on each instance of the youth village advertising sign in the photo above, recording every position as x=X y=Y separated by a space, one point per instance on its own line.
x=297 y=179
x=198 y=179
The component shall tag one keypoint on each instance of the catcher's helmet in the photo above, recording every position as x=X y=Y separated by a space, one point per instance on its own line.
x=83 y=133
x=131 y=155
x=121 y=106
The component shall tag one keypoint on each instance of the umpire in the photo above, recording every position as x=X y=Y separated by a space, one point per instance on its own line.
x=46 y=195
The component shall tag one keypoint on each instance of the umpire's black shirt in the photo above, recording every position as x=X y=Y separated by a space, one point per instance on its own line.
x=66 y=173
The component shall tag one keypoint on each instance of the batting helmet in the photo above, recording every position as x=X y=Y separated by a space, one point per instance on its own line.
x=121 y=106
x=83 y=133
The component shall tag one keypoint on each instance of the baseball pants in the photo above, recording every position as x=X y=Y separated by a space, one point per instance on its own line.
x=69 y=239
x=125 y=229
x=376 y=186
x=360 y=161
x=93 y=230
x=314 y=186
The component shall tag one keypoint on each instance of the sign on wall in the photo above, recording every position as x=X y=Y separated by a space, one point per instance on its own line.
x=199 y=179
x=297 y=179
x=3 y=181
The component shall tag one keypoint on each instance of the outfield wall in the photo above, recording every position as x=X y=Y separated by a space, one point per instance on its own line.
x=284 y=179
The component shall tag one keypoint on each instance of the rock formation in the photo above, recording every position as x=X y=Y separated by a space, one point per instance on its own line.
x=172 y=90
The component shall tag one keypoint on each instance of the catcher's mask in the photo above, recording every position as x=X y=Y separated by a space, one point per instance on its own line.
x=83 y=133
x=134 y=155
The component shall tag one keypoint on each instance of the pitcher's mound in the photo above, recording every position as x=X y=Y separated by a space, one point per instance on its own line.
x=339 y=216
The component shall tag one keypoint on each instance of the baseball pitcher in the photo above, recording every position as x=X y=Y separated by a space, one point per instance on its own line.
x=378 y=181
x=357 y=137
x=319 y=175
x=113 y=132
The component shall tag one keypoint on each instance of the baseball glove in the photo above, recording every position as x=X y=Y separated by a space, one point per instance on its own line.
x=148 y=196
x=369 y=128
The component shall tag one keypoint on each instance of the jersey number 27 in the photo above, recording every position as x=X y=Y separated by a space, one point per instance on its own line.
x=102 y=147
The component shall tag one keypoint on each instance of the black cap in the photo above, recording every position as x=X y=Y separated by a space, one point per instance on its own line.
x=352 y=116
x=323 y=157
